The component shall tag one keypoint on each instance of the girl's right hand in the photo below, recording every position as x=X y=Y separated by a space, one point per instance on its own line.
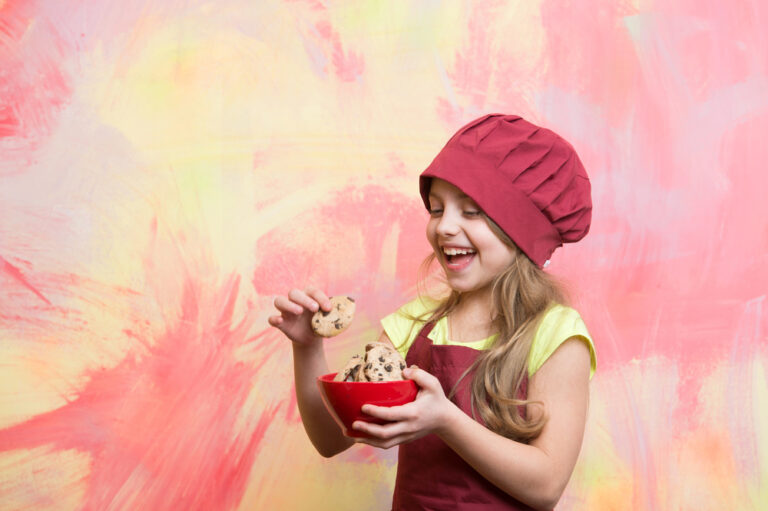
x=296 y=312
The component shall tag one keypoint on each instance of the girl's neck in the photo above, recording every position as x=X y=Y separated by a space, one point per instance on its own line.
x=471 y=319
x=476 y=301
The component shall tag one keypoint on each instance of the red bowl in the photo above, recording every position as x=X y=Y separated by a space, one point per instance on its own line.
x=344 y=399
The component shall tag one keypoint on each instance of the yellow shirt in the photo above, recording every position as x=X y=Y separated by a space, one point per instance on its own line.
x=559 y=324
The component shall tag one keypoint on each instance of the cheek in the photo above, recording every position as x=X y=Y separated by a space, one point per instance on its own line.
x=497 y=251
x=508 y=257
x=431 y=231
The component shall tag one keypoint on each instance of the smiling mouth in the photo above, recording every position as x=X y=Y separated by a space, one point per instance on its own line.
x=458 y=258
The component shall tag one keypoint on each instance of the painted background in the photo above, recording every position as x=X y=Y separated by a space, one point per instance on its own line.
x=167 y=167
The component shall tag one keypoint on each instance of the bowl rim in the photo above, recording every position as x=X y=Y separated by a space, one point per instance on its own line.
x=328 y=378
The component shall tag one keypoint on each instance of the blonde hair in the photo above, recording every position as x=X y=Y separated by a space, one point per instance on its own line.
x=521 y=294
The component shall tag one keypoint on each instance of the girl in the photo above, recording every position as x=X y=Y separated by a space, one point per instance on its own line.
x=502 y=364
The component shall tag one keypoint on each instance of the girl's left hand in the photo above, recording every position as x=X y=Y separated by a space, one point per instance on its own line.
x=425 y=415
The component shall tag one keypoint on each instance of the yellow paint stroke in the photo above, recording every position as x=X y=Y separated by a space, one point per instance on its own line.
x=43 y=480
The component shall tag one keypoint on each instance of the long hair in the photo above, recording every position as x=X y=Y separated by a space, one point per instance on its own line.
x=521 y=294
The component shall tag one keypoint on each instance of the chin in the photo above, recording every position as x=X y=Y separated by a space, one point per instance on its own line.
x=467 y=287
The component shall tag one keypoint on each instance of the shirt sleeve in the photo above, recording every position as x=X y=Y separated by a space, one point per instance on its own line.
x=558 y=325
x=403 y=325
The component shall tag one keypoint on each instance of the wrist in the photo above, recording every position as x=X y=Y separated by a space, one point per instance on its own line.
x=449 y=419
x=311 y=344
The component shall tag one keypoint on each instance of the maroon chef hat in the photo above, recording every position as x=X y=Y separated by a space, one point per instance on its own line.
x=527 y=179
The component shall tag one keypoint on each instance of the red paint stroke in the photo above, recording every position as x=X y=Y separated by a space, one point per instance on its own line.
x=315 y=5
x=16 y=274
x=581 y=42
x=9 y=123
x=258 y=159
x=711 y=44
x=348 y=65
x=34 y=83
x=451 y=115
x=473 y=65
x=313 y=247
x=292 y=409
x=276 y=339
x=486 y=72
x=164 y=429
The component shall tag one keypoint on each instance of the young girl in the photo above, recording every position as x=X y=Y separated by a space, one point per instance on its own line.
x=502 y=364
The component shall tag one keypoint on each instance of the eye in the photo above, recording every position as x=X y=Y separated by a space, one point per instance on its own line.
x=472 y=212
x=435 y=207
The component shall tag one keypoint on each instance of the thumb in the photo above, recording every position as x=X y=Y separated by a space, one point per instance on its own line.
x=420 y=377
x=275 y=321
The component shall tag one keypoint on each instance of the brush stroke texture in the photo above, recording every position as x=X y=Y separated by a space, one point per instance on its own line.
x=167 y=168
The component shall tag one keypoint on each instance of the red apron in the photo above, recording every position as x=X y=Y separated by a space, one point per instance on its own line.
x=430 y=475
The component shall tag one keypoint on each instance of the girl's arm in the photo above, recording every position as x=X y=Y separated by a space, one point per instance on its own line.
x=535 y=473
x=309 y=363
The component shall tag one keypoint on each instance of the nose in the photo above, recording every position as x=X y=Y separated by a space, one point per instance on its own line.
x=448 y=224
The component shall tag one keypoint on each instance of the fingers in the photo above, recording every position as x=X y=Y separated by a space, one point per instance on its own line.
x=400 y=423
x=391 y=413
x=287 y=306
x=386 y=444
x=299 y=301
x=319 y=297
x=302 y=299
x=385 y=436
x=381 y=432
x=422 y=378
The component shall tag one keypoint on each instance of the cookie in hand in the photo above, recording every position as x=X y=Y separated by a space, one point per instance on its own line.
x=335 y=321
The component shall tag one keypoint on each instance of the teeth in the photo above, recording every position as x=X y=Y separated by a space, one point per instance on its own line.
x=457 y=251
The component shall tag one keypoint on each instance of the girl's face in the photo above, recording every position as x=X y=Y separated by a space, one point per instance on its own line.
x=466 y=247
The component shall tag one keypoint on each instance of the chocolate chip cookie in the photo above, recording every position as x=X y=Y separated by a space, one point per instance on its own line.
x=352 y=371
x=382 y=363
x=335 y=321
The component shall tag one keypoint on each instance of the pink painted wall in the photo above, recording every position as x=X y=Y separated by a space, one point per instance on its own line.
x=167 y=167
